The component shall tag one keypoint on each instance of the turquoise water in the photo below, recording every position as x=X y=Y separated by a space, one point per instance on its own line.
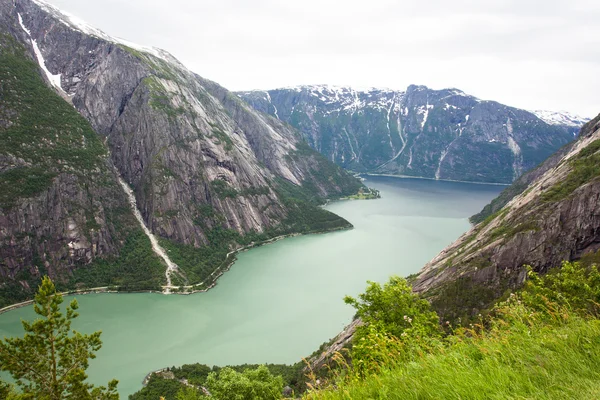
x=279 y=302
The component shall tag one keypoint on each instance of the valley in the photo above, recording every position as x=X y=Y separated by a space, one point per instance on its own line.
x=238 y=320
x=200 y=228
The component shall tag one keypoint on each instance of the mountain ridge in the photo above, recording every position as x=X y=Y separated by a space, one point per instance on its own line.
x=418 y=132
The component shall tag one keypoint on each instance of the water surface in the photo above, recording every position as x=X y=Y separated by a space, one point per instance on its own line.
x=279 y=302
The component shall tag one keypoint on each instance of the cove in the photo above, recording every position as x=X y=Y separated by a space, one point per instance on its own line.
x=278 y=302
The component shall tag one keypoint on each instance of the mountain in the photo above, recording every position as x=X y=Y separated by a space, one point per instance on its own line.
x=204 y=172
x=549 y=216
x=441 y=134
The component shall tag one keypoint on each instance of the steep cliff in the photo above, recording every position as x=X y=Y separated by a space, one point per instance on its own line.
x=61 y=207
x=555 y=218
x=208 y=172
x=441 y=134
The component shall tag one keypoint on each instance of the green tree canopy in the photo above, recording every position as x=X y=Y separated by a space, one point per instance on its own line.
x=49 y=362
x=395 y=308
x=251 y=384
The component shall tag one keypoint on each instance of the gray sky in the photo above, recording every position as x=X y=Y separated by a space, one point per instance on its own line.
x=542 y=54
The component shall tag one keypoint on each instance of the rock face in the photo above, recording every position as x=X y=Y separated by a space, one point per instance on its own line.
x=207 y=170
x=555 y=218
x=60 y=206
x=441 y=134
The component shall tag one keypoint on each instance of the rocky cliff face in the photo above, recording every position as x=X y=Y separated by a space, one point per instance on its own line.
x=441 y=134
x=555 y=218
x=60 y=205
x=209 y=172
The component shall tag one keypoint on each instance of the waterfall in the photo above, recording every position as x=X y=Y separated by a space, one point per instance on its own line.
x=171 y=266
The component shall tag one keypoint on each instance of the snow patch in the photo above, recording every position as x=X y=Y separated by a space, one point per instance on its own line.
x=424 y=111
x=450 y=106
x=80 y=25
x=53 y=78
x=560 y=118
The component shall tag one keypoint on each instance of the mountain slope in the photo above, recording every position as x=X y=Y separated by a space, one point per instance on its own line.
x=208 y=172
x=555 y=218
x=441 y=134
x=61 y=206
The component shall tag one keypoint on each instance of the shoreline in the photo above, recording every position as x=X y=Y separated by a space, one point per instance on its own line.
x=433 y=179
x=225 y=266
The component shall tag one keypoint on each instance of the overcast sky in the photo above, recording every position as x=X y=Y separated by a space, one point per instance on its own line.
x=542 y=54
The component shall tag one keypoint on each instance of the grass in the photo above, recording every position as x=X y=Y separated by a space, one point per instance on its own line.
x=521 y=364
x=508 y=230
x=585 y=167
x=521 y=361
x=542 y=342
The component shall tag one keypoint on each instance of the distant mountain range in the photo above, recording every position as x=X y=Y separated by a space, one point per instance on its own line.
x=441 y=134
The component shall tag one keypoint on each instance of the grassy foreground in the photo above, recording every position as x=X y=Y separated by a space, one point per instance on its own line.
x=541 y=343
x=524 y=363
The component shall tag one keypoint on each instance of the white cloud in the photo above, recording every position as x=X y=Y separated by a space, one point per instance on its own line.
x=526 y=53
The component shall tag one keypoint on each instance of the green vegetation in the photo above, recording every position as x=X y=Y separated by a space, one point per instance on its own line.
x=221 y=137
x=364 y=194
x=200 y=263
x=232 y=382
x=39 y=128
x=49 y=362
x=159 y=387
x=458 y=300
x=499 y=202
x=160 y=99
x=304 y=216
x=136 y=267
x=23 y=182
x=46 y=142
x=542 y=342
x=507 y=230
x=394 y=308
x=7 y=392
x=325 y=173
x=585 y=167
x=14 y=292
x=250 y=384
x=223 y=189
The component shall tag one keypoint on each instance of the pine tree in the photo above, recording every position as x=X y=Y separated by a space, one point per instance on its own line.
x=49 y=362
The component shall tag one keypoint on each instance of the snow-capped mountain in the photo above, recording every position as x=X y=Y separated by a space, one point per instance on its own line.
x=442 y=134
x=563 y=118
